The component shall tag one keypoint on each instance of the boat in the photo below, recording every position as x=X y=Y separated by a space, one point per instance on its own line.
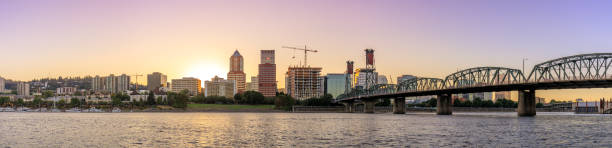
x=94 y=110
x=116 y=110
x=74 y=110
x=55 y=110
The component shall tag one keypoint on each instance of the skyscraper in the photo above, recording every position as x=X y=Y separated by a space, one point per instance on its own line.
x=237 y=71
x=303 y=82
x=335 y=84
x=155 y=81
x=253 y=85
x=267 y=74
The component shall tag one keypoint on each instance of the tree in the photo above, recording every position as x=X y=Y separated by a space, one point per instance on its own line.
x=283 y=101
x=37 y=101
x=74 y=102
x=181 y=99
x=159 y=100
x=20 y=102
x=238 y=98
x=61 y=103
x=151 y=99
x=47 y=94
x=539 y=105
x=253 y=97
x=4 y=100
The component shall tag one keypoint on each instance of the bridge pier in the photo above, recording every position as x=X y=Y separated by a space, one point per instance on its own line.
x=526 y=103
x=349 y=107
x=399 y=105
x=369 y=106
x=445 y=105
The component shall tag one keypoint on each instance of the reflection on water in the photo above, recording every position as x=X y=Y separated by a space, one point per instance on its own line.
x=303 y=130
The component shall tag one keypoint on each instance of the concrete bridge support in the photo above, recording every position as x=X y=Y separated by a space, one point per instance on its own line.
x=526 y=103
x=445 y=105
x=349 y=107
x=399 y=105
x=369 y=106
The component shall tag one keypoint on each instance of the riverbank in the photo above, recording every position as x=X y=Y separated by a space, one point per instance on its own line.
x=157 y=108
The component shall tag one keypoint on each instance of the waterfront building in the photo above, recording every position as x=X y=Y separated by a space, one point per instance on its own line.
x=303 y=82
x=502 y=95
x=253 y=85
x=404 y=78
x=155 y=81
x=65 y=90
x=267 y=74
x=220 y=87
x=382 y=79
x=335 y=84
x=23 y=89
x=193 y=85
x=237 y=71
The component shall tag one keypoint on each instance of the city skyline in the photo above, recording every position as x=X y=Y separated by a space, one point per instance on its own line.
x=197 y=37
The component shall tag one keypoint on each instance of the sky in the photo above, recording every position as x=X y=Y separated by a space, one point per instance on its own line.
x=195 y=38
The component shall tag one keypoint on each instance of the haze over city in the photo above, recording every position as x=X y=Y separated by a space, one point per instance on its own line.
x=196 y=38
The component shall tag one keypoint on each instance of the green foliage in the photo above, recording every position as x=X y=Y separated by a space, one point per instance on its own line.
x=201 y=99
x=61 y=103
x=539 y=105
x=325 y=100
x=20 y=102
x=151 y=99
x=37 y=101
x=159 y=100
x=252 y=97
x=78 y=93
x=180 y=99
x=47 y=94
x=118 y=97
x=283 y=101
x=74 y=102
x=488 y=103
x=4 y=100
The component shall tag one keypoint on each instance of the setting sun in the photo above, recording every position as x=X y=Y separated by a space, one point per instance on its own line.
x=205 y=70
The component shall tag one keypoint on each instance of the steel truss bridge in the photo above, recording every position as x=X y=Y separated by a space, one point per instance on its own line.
x=578 y=71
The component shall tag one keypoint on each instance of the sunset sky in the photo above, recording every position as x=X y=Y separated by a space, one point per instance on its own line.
x=181 y=38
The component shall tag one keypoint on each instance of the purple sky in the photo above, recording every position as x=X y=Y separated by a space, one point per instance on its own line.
x=430 y=38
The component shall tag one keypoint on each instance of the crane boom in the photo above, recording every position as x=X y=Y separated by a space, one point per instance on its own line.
x=305 y=49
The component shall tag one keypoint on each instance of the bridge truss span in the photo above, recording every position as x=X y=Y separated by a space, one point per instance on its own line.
x=420 y=84
x=484 y=76
x=595 y=66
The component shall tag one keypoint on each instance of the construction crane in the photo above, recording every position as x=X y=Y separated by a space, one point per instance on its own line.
x=138 y=75
x=305 y=49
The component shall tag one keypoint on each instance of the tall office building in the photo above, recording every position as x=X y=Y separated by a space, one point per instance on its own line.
x=253 y=85
x=362 y=79
x=335 y=84
x=23 y=89
x=193 y=85
x=2 y=83
x=303 y=82
x=156 y=80
x=220 y=87
x=267 y=74
x=237 y=71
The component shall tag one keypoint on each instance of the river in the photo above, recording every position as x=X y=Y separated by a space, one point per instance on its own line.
x=303 y=130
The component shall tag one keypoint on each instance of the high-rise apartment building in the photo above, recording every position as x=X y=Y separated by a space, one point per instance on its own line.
x=111 y=83
x=267 y=74
x=220 y=87
x=193 y=85
x=237 y=71
x=303 y=82
x=23 y=89
x=65 y=90
x=155 y=81
x=253 y=85
x=2 y=83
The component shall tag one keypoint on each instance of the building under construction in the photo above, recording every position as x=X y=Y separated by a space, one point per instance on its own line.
x=304 y=82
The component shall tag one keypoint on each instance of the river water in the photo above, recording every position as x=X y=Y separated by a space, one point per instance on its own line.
x=303 y=130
